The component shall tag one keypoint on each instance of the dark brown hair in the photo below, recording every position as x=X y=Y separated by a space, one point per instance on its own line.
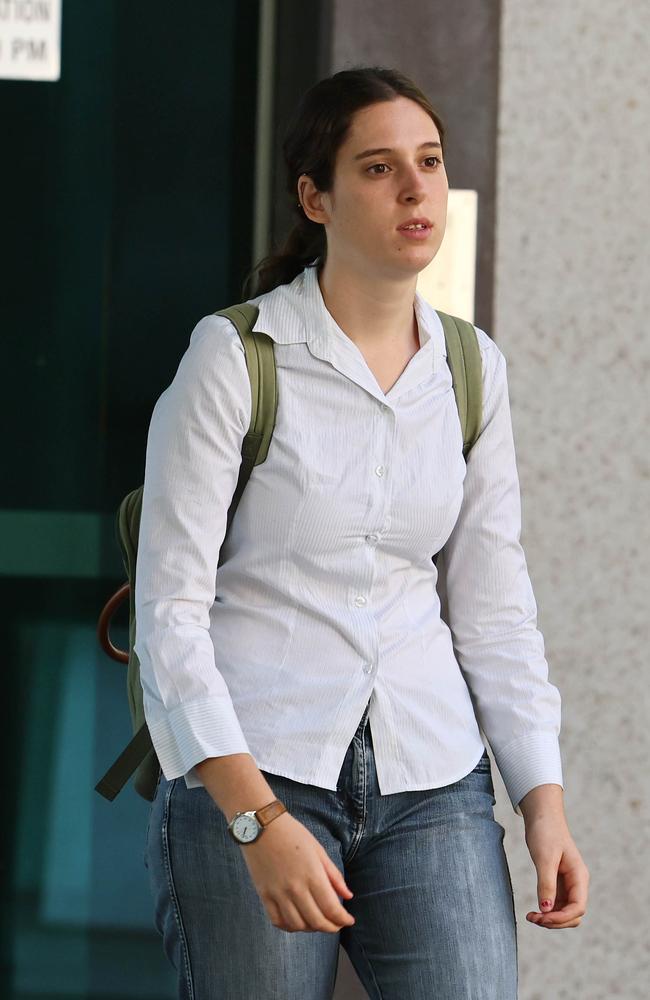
x=313 y=137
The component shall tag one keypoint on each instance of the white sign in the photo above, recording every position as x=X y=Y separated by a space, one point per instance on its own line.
x=448 y=282
x=30 y=39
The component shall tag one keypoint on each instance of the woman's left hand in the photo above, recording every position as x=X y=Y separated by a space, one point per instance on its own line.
x=562 y=875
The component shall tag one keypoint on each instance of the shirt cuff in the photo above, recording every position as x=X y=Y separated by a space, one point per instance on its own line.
x=191 y=733
x=529 y=761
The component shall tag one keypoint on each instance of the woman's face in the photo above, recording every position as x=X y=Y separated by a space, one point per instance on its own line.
x=374 y=193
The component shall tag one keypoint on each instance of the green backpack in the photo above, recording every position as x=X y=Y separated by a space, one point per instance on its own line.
x=464 y=359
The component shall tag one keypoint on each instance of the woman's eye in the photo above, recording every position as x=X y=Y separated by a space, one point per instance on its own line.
x=430 y=161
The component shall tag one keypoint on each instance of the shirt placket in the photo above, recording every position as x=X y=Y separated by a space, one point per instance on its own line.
x=361 y=590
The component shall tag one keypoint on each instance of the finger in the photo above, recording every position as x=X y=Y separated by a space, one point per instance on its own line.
x=570 y=912
x=311 y=915
x=572 y=900
x=572 y=891
x=274 y=914
x=336 y=878
x=329 y=904
x=567 y=916
x=291 y=916
x=576 y=883
x=559 y=927
x=547 y=885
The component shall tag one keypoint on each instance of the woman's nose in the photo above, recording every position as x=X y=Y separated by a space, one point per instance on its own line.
x=416 y=196
x=415 y=192
x=413 y=188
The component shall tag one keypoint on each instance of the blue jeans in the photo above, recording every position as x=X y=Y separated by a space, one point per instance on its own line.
x=432 y=900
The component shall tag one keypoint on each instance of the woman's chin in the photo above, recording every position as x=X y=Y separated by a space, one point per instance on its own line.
x=413 y=259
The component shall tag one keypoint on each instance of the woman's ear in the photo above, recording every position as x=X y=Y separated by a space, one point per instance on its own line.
x=312 y=200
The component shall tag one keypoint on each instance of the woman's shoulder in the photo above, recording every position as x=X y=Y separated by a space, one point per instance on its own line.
x=213 y=365
x=492 y=357
x=215 y=335
x=490 y=352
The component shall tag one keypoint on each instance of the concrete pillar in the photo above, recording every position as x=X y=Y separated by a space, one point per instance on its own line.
x=572 y=303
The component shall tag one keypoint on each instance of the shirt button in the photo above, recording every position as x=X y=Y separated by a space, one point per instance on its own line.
x=372 y=537
x=367 y=668
x=380 y=470
x=360 y=601
x=383 y=407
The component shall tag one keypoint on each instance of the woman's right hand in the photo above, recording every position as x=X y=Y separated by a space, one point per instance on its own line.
x=295 y=878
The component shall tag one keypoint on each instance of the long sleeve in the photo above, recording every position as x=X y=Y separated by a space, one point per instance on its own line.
x=192 y=464
x=489 y=605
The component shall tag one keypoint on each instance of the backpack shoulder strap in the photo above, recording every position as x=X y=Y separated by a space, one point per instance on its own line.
x=464 y=359
x=260 y=361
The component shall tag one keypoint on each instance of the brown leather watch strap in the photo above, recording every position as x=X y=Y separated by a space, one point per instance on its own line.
x=270 y=812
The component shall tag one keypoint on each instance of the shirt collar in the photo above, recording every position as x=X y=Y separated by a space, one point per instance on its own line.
x=296 y=313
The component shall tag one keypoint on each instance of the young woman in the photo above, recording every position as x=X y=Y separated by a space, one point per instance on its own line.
x=313 y=682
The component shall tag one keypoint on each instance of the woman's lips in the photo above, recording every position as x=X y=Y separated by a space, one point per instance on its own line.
x=415 y=234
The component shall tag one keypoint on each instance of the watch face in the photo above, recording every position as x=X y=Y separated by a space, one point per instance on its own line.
x=245 y=828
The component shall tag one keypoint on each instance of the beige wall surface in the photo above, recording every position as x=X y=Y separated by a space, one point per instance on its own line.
x=571 y=315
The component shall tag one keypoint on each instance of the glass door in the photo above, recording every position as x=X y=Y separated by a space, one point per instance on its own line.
x=127 y=210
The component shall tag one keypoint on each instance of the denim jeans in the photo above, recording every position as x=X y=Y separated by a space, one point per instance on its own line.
x=432 y=900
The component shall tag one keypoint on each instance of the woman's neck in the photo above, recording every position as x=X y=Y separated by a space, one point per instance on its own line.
x=377 y=315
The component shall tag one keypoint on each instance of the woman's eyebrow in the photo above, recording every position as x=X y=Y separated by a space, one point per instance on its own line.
x=386 y=149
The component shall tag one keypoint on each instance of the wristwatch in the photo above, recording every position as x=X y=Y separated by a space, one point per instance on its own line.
x=245 y=827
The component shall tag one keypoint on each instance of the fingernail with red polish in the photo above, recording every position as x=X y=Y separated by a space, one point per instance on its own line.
x=546 y=904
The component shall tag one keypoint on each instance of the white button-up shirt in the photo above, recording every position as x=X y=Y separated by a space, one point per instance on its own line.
x=327 y=596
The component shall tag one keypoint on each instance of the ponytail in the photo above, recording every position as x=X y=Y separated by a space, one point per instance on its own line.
x=305 y=242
